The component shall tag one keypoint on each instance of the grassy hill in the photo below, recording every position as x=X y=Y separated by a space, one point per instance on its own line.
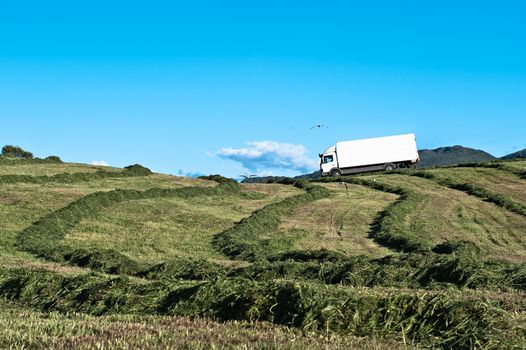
x=123 y=258
x=451 y=155
x=515 y=155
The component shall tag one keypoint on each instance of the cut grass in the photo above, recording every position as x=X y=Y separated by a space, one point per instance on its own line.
x=459 y=264
x=46 y=169
x=22 y=204
x=160 y=229
x=494 y=180
x=434 y=214
x=427 y=297
x=515 y=167
x=444 y=318
x=389 y=227
x=340 y=222
x=45 y=237
x=247 y=240
x=27 y=329
x=74 y=177
x=474 y=190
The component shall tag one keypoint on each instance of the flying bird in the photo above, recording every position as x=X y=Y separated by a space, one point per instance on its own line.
x=319 y=126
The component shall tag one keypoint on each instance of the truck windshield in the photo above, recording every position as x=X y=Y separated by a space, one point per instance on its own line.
x=327 y=159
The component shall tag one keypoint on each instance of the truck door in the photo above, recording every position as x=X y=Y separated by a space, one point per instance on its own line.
x=328 y=162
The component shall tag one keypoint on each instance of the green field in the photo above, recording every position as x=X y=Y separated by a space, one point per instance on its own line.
x=95 y=257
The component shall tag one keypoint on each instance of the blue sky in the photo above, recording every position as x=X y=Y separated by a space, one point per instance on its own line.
x=233 y=87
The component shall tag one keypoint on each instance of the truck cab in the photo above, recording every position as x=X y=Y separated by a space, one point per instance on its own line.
x=328 y=161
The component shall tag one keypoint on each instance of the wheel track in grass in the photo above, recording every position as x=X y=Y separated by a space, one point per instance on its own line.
x=388 y=228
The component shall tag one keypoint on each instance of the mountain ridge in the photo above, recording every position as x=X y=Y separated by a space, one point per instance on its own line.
x=515 y=155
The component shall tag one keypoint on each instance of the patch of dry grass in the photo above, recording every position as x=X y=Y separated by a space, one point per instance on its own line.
x=21 y=204
x=445 y=214
x=49 y=168
x=340 y=222
x=155 y=230
x=495 y=180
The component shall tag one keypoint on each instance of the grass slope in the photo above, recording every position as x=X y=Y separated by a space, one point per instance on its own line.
x=436 y=259
x=340 y=222
x=170 y=227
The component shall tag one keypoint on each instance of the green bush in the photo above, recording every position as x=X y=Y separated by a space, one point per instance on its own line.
x=16 y=152
x=53 y=159
x=137 y=169
x=218 y=178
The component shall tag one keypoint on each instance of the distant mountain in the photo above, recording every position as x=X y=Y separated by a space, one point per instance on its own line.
x=262 y=179
x=310 y=176
x=518 y=154
x=451 y=156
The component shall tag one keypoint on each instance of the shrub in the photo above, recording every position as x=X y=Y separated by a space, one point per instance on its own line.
x=53 y=159
x=16 y=152
x=218 y=178
x=137 y=169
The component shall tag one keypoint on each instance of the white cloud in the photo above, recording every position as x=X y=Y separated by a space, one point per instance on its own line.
x=263 y=156
x=100 y=162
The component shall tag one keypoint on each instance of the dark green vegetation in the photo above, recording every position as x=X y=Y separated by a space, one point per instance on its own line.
x=9 y=151
x=122 y=258
x=451 y=155
x=515 y=155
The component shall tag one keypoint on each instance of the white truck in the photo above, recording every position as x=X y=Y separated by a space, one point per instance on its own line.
x=374 y=154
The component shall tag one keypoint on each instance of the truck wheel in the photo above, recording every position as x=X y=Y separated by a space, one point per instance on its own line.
x=336 y=173
x=389 y=167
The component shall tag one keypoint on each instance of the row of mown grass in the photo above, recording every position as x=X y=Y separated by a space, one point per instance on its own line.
x=18 y=161
x=389 y=229
x=452 y=264
x=23 y=328
x=442 y=318
x=160 y=229
x=474 y=190
x=492 y=179
x=129 y=171
x=246 y=241
x=45 y=237
x=427 y=213
x=340 y=222
x=507 y=166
